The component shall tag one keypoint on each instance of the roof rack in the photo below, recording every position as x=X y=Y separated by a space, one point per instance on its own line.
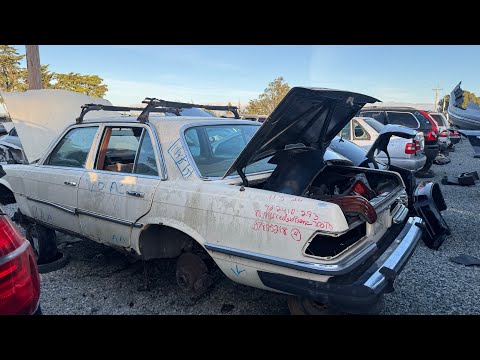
x=89 y=107
x=154 y=105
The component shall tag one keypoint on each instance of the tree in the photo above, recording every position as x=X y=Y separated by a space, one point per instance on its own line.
x=10 y=71
x=440 y=103
x=90 y=85
x=269 y=99
x=467 y=96
x=15 y=78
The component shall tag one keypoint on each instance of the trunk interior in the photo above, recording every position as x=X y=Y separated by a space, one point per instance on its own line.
x=362 y=194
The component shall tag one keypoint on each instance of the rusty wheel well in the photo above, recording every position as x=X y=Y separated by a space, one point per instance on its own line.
x=161 y=241
x=6 y=195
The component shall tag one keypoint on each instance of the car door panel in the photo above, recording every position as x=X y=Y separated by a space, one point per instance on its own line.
x=51 y=189
x=51 y=194
x=111 y=201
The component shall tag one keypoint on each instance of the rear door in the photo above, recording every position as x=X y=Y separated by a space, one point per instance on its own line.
x=51 y=188
x=119 y=188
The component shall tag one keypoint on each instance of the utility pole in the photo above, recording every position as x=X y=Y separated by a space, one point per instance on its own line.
x=33 y=67
x=436 y=96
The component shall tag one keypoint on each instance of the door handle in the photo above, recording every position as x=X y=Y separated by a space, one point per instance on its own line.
x=135 y=193
x=71 y=183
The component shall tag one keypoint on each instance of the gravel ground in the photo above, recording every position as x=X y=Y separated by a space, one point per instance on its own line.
x=99 y=280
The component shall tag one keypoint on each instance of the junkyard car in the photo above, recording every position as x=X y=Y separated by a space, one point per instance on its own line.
x=264 y=204
x=405 y=153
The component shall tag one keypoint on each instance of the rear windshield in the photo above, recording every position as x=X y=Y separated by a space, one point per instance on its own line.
x=377 y=125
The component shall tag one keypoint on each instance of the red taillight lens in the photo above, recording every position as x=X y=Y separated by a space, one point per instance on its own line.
x=443 y=134
x=454 y=133
x=10 y=237
x=19 y=279
x=411 y=148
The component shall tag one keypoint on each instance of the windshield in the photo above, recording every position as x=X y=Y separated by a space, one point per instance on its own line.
x=214 y=148
x=375 y=124
x=439 y=119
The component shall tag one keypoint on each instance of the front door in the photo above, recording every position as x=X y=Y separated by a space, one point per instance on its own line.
x=119 y=189
x=51 y=188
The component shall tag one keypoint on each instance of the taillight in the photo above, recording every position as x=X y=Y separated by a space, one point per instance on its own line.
x=19 y=279
x=418 y=145
x=454 y=133
x=443 y=134
x=432 y=134
x=411 y=148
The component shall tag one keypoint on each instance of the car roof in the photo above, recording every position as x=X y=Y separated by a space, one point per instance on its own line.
x=386 y=108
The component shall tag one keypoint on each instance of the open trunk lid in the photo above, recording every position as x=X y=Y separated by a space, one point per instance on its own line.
x=40 y=116
x=306 y=117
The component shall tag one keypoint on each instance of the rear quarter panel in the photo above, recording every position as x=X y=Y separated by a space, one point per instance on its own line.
x=252 y=220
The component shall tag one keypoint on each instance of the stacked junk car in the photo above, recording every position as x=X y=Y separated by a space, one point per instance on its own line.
x=284 y=205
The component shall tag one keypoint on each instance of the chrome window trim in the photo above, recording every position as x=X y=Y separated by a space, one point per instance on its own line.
x=142 y=135
x=124 y=174
x=52 y=146
x=154 y=139
x=158 y=148
x=183 y=140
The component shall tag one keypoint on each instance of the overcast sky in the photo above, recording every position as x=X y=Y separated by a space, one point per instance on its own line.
x=218 y=74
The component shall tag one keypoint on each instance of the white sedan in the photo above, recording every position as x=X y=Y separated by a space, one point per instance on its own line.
x=404 y=153
x=260 y=201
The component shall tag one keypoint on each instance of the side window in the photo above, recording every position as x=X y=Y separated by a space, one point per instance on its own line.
x=193 y=142
x=359 y=132
x=402 y=118
x=73 y=149
x=118 y=149
x=345 y=133
x=146 y=163
x=377 y=115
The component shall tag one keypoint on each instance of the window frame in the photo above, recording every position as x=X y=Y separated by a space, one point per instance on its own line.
x=153 y=138
x=354 y=137
x=52 y=147
x=197 y=172
x=96 y=143
x=403 y=112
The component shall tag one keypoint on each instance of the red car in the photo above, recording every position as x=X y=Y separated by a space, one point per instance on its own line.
x=19 y=278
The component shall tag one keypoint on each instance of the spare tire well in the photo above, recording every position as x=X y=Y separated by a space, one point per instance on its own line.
x=161 y=241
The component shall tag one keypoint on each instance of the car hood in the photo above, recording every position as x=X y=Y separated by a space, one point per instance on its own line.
x=306 y=117
x=40 y=116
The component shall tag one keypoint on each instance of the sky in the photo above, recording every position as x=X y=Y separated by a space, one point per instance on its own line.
x=237 y=73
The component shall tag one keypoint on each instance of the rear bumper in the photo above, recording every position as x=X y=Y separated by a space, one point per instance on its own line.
x=361 y=294
x=414 y=163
